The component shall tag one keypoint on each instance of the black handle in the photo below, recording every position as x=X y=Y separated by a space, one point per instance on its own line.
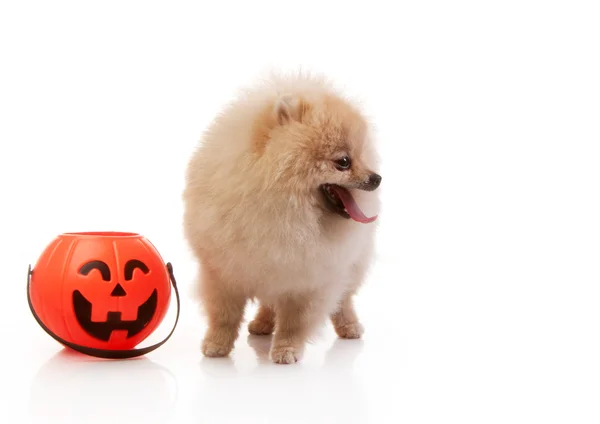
x=107 y=353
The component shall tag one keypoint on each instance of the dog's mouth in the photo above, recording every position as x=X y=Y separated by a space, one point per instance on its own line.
x=339 y=200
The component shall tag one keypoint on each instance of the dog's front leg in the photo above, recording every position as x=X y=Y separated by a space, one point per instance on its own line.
x=224 y=309
x=345 y=321
x=295 y=318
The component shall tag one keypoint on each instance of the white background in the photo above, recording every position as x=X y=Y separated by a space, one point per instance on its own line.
x=484 y=304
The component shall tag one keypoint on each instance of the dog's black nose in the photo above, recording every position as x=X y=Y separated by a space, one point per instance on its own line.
x=374 y=180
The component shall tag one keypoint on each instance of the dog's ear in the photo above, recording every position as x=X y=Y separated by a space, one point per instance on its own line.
x=289 y=108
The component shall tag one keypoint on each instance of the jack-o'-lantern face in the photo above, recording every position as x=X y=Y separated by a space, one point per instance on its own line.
x=114 y=321
x=102 y=290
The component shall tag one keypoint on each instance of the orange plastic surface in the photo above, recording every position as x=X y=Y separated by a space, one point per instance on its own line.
x=105 y=290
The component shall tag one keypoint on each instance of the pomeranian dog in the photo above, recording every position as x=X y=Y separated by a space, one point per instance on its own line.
x=272 y=214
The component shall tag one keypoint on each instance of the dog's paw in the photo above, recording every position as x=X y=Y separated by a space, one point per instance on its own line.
x=350 y=331
x=284 y=355
x=260 y=328
x=215 y=350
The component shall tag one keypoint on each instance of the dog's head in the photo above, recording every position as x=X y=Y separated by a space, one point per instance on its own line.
x=320 y=147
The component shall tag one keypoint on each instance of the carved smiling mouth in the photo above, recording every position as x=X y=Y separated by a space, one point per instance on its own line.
x=103 y=330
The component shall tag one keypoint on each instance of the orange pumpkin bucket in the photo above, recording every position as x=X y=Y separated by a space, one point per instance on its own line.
x=101 y=293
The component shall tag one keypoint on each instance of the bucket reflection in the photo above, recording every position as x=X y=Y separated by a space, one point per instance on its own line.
x=71 y=387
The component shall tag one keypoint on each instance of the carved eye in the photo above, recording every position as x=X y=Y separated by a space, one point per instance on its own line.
x=131 y=265
x=97 y=265
x=343 y=163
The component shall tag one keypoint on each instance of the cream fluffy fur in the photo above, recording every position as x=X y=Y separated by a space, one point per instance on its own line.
x=257 y=223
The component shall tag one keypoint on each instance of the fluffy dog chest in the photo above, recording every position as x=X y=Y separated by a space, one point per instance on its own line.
x=272 y=266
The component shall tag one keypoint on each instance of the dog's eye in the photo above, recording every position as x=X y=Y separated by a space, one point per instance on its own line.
x=343 y=163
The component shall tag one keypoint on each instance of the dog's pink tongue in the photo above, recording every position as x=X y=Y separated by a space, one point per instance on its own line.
x=351 y=206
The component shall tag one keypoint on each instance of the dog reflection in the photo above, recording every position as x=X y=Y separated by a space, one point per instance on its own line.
x=291 y=394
